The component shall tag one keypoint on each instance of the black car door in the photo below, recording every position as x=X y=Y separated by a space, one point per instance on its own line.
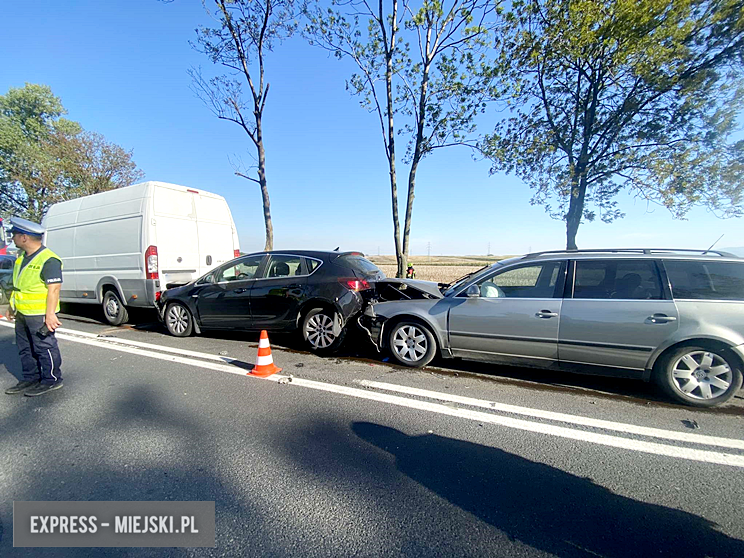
x=276 y=296
x=225 y=302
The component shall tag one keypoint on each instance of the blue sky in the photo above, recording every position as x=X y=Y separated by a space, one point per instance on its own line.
x=120 y=68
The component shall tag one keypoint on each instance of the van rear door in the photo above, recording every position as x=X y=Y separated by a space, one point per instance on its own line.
x=177 y=238
x=215 y=232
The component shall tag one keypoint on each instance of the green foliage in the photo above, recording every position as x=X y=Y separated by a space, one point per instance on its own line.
x=640 y=95
x=45 y=158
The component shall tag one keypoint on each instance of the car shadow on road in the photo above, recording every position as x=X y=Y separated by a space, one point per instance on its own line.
x=545 y=507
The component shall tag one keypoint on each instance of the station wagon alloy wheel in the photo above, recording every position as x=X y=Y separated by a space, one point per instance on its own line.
x=702 y=374
x=699 y=376
x=412 y=344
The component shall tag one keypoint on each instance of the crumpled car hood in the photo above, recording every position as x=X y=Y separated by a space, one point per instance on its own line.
x=428 y=287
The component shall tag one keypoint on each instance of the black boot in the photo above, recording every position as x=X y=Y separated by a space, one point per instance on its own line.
x=20 y=387
x=41 y=389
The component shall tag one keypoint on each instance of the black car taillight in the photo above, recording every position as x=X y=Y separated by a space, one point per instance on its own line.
x=354 y=284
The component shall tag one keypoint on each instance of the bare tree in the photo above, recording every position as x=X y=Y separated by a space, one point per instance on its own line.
x=246 y=30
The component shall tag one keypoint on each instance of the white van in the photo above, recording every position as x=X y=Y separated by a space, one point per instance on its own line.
x=123 y=247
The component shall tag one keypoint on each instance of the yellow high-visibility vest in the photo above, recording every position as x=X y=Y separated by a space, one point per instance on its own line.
x=29 y=290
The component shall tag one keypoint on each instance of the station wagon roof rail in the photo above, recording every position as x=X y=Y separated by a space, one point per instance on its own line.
x=635 y=251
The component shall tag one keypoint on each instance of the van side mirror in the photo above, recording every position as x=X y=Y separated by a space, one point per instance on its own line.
x=473 y=291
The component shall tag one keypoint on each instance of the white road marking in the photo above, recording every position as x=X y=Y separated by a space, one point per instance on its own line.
x=163 y=348
x=704 y=456
x=561 y=417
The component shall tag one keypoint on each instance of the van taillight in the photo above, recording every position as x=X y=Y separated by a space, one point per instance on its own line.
x=236 y=253
x=151 y=262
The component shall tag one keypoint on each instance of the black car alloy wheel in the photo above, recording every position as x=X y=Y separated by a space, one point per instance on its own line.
x=178 y=320
x=318 y=331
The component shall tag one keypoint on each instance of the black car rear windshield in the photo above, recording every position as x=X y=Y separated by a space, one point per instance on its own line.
x=360 y=264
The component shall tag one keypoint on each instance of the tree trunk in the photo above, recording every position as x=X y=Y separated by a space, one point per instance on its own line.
x=417 y=154
x=575 y=208
x=264 y=187
x=391 y=136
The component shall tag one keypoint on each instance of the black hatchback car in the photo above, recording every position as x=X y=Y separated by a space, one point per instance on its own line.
x=317 y=293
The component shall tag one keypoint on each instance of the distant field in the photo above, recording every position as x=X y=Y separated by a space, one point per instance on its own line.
x=439 y=260
x=442 y=269
x=439 y=273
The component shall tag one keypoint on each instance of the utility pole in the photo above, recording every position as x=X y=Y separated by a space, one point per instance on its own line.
x=489 y=249
x=428 y=251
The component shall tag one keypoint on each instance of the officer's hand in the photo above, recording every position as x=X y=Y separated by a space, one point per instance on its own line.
x=9 y=313
x=52 y=322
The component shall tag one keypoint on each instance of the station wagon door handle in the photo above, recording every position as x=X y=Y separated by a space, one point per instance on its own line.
x=661 y=319
x=240 y=290
x=546 y=314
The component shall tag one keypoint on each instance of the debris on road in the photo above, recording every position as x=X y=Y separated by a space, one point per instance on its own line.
x=690 y=423
x=286 y=380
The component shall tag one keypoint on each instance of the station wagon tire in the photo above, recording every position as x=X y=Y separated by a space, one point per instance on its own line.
x=113 y=309
x=317 y=331
x=412 y=344
x=699 y=376
x=178 y=320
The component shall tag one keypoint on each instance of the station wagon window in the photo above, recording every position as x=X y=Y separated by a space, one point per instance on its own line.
x=284 y=266
x=706 y=280
x=620 y=279
x=241 y=270
x=528 y=281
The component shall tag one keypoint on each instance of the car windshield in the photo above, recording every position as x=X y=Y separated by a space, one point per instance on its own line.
x=450 y=288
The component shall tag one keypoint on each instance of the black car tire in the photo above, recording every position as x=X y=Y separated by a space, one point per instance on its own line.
x=113 y=309
x=317 y=332
x=677 y=369
x=412 y=344
x=178 y=320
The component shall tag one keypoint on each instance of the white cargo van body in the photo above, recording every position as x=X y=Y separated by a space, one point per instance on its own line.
x=121 y=248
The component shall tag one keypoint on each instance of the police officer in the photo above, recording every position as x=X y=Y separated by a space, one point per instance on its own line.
x=34 y=303
x=410 y=272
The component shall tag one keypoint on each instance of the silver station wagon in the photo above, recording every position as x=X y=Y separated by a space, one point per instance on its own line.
x=672 y=316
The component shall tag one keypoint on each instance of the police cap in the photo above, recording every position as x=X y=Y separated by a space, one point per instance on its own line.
x=22 y=226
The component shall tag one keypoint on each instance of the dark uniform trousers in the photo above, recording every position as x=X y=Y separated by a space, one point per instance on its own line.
x=39 y=354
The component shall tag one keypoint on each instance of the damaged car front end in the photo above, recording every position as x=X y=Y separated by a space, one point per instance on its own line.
x=415 y=299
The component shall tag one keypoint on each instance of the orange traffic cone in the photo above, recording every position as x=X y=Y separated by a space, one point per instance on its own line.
x=264 y=363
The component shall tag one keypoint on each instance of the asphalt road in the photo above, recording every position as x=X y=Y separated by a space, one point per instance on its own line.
x=351 y=456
